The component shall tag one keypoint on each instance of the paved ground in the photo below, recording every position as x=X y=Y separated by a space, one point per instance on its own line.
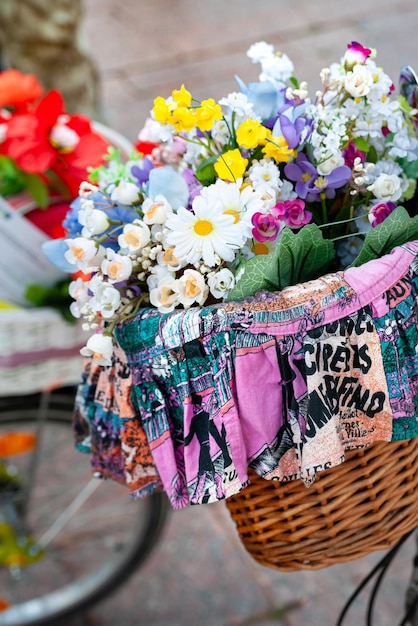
x=200 y=575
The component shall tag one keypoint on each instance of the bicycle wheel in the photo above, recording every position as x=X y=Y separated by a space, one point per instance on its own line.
x=105 y=537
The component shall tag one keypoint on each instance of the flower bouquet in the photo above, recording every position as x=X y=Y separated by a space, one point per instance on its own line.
x=267 y=188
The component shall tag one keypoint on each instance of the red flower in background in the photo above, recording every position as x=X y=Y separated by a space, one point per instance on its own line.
x=17 y=90
x=46 y=138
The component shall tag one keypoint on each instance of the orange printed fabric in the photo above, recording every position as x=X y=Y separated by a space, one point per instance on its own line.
x=107 y=427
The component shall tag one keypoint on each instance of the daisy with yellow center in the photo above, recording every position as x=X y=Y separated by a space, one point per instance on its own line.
x=204 y=233
x=238 y=200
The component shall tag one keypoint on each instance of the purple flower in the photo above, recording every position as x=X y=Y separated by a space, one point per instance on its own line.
x=379 y=212
x=303 y=173
x=291 y=124
x=193 y=184
x=141 y=171
x=266 y=227
x=292 y=213
x=327 y=184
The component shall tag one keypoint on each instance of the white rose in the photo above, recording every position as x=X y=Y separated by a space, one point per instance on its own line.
x=386 y=187
x=358 y=82
x=117 y=267
x=221 y=283
x=192 y=288
x=100 y=348
x=134 y=236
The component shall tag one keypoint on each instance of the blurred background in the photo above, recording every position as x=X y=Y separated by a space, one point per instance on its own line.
x=111 y=58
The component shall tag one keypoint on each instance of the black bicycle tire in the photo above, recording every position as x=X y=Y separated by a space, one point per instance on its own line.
x=155 y=508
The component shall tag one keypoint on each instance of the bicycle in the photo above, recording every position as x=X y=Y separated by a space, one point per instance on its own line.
x=62 y=546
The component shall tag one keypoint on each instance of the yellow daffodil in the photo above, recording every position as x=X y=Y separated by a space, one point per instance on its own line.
x=183 y=119
x=182 y=97
x=161 y=110
x=231 y=165
x=278 y=149
x=251 y=134
x=207 y=113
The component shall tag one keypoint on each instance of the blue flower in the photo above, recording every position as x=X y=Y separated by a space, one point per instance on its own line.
x=170 y=184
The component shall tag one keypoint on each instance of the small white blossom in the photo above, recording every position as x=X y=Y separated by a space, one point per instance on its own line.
x=99 y=347
x=126 y=193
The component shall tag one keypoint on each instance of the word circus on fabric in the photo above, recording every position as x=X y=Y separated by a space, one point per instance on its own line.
x=195 y=397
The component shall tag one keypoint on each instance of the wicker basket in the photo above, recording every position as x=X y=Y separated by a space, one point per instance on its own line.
x=368 y=503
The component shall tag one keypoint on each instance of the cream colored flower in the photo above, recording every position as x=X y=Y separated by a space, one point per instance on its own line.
x=165 y=296
x=117 y=267
x=100 y=348
x=134 y=236
x=192 y=288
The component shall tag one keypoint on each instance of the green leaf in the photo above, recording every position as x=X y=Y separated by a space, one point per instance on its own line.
x=37 y=189
x=205 y=173
x=257 y=274
x=296 y=258
x=303 y=256
x=397 y=229
x=409 y=167
x=361 y=144
x=372 y=155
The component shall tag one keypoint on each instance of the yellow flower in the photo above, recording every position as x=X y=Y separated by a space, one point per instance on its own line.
x=183 y=119
x=251 y=134
x=231 y=165
x=182 y=97
x=161 y=110
x=278 y=149
x=207 y=113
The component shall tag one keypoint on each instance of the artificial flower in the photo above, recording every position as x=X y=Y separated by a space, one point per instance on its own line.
x=204 y=233
x=99 y=347
x=17 y=90
x=267 y=171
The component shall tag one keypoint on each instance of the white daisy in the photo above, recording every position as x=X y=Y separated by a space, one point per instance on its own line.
x=239 y=202
x=204 y=232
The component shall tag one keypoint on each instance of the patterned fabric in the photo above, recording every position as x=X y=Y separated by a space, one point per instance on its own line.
x=282 y=382
x=106 y=426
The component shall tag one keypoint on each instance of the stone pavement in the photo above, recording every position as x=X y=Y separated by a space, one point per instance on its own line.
x=200 y=574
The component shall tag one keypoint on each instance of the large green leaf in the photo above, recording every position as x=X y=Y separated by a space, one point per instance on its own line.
x=296 y=258
x=260 y=272
x=395 y=230
x=303 y=256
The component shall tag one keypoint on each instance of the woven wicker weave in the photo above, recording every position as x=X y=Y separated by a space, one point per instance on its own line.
x=363 y=505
